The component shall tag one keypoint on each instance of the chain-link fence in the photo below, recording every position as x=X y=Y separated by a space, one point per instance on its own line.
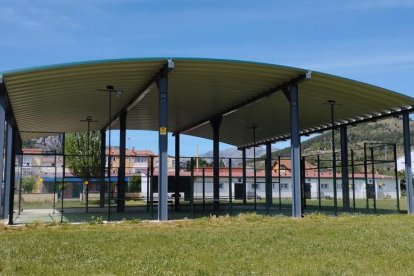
x=49 y=181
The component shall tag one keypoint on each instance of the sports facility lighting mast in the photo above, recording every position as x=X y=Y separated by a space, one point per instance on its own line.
x=110 y=89
x=88 y=120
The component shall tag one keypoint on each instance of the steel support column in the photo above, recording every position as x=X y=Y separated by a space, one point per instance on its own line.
x=177 y=172
x=292 y=95
x=332 y=103
x=268 y=176
x=244 y=175
x=10 y=170
x=344 y=166
x=120 y=207
x=19 y=157
x=2 y=138
x=63 y=175
x=254 y=127
x=408 y=163
x=162 y=84
x=215 y=123
x=102 y=187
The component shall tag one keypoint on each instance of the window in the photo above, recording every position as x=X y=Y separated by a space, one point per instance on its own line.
x=339 y=186
x=173 y=163
x=283 y=186
x=26 y=171
x=139 y=159
x=324 y=186
x=255 y=186
x=221 y=185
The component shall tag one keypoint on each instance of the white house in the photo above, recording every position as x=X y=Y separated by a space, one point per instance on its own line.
x=401 y=162
x=385 y=186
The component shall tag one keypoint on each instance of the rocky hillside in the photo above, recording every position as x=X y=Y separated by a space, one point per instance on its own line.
x=384 y=131
x=48 y=143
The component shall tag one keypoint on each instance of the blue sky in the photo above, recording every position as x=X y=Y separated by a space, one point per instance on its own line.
x=371 y=41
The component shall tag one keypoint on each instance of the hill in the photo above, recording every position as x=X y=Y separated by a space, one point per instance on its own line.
x=385 y=131
x=47 y=143
x=235 y=153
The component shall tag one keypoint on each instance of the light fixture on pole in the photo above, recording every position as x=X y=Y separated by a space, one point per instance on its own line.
x=88 y=120
x=110 y=90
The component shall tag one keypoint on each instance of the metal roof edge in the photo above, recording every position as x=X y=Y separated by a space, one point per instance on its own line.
x=359 y=83
x=200 y=59
x=126 y=60
x=79 y=63
x=239 y=61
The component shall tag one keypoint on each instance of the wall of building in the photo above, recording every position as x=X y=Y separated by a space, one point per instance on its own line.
x=385 y=187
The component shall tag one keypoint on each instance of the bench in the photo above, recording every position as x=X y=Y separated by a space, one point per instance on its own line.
x=170 y=202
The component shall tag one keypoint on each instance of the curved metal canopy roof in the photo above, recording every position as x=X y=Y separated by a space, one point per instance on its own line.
x=55 y=98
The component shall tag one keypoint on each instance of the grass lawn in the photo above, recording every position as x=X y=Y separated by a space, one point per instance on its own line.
x=246 y=244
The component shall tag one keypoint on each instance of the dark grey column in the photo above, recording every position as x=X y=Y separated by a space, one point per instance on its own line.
x=295 y=151
x=408 y=163
x=10 y=170
x=102 y=187
x=162 y=83
x=2 y=137
x=62 y=194
x=120 y=207
x=19 y=163
x=334 y=159
x=344 y=165
x=215 y=123
x=268 y=175
x=177 y=171
x=244 y=175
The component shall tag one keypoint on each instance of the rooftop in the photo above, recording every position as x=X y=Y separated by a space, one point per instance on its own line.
x=52 y=99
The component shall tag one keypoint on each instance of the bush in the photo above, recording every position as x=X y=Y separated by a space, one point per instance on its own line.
x=28 y=184
x=96 y=220
x=134 y=183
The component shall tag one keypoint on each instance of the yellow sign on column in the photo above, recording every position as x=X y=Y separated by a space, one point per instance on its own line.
x=163 y=130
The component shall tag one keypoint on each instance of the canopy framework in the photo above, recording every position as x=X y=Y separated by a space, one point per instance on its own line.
x=53 y=99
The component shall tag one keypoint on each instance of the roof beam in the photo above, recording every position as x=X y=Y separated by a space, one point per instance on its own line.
x=139 y=96
x=248 y=101
x=350 y=122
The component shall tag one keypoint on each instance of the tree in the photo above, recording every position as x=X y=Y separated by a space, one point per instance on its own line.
x=403 y=185
x=202 y=163
x=134 y=183
x=28 y=184
x=80 y=161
